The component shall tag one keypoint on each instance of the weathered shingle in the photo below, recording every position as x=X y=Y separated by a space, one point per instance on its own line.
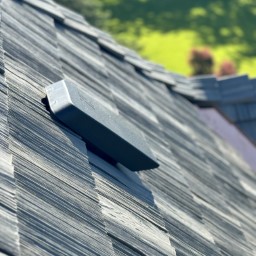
x=233 y=96
x=58 y=198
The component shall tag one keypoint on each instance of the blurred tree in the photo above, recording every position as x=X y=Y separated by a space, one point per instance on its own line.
x=92 y=10
x=227 y=26
x=201 y=61
x=227 y=68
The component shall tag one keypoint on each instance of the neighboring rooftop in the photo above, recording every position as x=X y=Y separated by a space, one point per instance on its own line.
x=57 y=197
x=233 y=96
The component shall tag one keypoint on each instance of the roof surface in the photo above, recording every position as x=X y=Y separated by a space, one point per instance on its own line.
x=58 y=198
x=233 y=96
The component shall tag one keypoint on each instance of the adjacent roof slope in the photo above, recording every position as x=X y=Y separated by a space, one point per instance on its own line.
x=62 y=199
x=233 y=96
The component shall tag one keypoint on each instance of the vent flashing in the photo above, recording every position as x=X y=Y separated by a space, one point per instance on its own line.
x=104 y=129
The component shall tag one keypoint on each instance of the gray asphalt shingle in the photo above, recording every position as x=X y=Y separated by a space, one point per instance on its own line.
x=59 y=198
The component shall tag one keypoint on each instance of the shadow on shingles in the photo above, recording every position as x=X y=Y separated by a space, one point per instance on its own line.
x=118 y=175
x=122 y=178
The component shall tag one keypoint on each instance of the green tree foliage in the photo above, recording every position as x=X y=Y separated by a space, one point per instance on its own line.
x=165 y=30
x=216 y=22
x=92 y=10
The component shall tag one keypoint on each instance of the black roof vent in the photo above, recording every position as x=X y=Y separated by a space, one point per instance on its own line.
x=106 y=130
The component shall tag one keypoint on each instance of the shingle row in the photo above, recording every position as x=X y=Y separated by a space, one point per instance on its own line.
x=58 y=207
x=233 y=96
x=200 y=201
x=135 y=101
x=133 y=222
x=9 y=237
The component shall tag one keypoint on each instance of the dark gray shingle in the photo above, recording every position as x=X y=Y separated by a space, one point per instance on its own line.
x=200 y=201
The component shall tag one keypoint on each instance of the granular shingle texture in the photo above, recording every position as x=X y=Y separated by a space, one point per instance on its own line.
x=233 y=96
x=59 y=198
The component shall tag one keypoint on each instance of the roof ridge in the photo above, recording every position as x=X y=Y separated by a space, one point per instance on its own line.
x=77 y=22
x=205 y=90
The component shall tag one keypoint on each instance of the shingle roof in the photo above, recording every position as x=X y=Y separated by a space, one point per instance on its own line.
x=233 y=96
x=58 y=198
